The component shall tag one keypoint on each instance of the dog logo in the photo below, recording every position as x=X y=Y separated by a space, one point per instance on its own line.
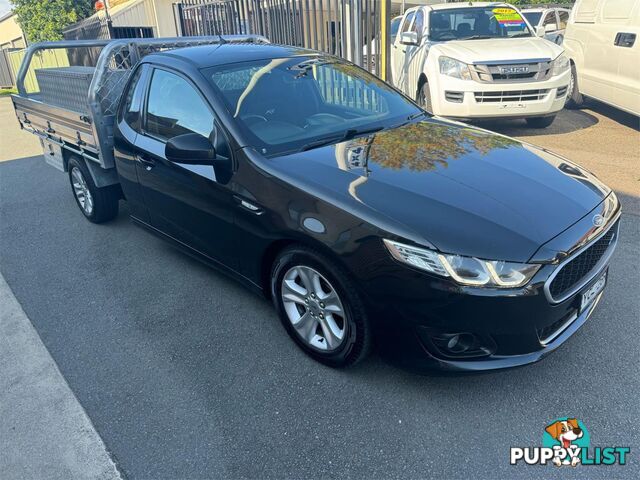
x=566 y=433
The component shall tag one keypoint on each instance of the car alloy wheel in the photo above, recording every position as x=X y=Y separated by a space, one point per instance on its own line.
x=81 y=190
x=314 y=308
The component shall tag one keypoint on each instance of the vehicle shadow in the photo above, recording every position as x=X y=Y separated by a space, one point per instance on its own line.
x=567 y=121
x=613 y=113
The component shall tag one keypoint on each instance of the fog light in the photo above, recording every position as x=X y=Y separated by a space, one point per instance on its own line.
x=460 y=343
x=456 y=344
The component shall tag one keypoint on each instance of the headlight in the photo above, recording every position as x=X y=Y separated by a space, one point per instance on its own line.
x=560 y=64
x=454 y=68
x=464 y=270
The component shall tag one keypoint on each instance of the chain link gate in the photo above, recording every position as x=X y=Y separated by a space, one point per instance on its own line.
x=346 y=28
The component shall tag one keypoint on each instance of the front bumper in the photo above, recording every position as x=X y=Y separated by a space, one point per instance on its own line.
x=497 y=100
x=416 y=313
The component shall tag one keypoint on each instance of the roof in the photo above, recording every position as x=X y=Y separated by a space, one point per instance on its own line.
x=544 y=9
x=117 y=9
x=448 y=6
x=7 y=15
x=211 y=55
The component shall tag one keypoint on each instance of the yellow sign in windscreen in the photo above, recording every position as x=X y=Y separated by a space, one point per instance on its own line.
x=507 y=17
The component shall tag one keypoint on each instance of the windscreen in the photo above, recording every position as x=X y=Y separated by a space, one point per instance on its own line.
x=284 y=104
x=476 y=23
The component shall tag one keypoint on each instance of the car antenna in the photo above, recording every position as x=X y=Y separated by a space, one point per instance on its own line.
x=221 y=39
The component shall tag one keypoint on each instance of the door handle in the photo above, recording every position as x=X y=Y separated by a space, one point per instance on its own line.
x=246 y=205
x=624 y=39
x=145 y=162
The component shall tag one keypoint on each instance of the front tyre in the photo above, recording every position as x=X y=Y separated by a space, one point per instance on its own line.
x=540 y=122
x=424 y=97
x=574 y=97
x=319 y=306
x=98 y=205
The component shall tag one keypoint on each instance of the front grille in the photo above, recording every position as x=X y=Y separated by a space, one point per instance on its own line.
x=512 y=76
x=534 y=70
x=562 y=91
x=511 y=96
x=578 y=268
x=455 y=97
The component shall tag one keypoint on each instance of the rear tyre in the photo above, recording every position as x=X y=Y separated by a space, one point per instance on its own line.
x=540 y=122
x=320 y=307
x=98 y=205
x=574 y=98
x=424 y=97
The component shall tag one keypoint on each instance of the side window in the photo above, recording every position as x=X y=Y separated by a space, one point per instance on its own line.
x=564 y=19
x=174 y=108
x=407 y=22
x=550 y=19
x=133 y=100
x=418 y=25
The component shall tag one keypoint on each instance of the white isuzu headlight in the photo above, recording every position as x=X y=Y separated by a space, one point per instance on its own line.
x=454 y=68
x=560 y=64
x=464 y=270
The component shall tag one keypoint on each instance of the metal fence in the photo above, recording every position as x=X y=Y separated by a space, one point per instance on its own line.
x=7 y=78
x=347 y=28
x=92 y=28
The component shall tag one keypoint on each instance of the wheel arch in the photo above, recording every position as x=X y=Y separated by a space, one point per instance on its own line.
x=277 y=246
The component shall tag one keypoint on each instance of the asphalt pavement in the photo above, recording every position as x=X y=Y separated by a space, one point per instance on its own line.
x=44 y=430
x=186 y=374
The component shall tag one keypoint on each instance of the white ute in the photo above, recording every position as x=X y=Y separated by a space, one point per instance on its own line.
x=479 y=60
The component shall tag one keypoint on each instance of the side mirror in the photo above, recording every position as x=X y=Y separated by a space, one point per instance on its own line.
x=190 y=148
x=550 y=27
x=540 y=31
x=409 y=38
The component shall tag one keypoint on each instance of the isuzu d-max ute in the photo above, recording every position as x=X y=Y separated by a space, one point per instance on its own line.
x=479 y=60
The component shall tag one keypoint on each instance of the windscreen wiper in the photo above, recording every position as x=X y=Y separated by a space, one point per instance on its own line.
x=476 y=37
x=347 y=135
x=412 y=117
x=419 y=114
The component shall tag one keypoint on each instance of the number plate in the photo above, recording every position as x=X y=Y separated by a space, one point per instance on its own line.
x=593 y=291
x=511 y=106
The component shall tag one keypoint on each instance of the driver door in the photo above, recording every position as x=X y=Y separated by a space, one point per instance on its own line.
x=416 y=55
x=399 y=54
x=550 y=25
x=190 y=203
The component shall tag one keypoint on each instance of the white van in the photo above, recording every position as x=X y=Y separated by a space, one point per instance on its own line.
x=479 y=60
x=602 y=43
